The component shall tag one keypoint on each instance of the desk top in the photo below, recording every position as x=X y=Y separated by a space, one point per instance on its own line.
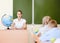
x=13 y=36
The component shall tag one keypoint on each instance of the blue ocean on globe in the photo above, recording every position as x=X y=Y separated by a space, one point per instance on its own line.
x=7 y=20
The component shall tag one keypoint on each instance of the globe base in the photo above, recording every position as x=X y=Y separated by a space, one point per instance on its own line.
x=8 y=28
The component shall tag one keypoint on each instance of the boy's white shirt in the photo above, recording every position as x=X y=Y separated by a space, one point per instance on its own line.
x=43 y=30
x=19 y=24
x=52 y=33
x=57 y=41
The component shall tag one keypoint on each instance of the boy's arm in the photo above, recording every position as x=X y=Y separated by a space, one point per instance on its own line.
x=39 y=34
x=36 y=38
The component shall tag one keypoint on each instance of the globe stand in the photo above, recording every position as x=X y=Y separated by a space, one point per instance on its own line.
x=8 y=28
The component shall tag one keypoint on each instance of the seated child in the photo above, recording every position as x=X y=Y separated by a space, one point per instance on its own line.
x=54 y=32
x=44 y=28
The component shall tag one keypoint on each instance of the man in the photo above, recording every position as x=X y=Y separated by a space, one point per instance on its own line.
x=19 y=23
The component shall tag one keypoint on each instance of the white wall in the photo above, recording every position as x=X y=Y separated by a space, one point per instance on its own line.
x=6 y=7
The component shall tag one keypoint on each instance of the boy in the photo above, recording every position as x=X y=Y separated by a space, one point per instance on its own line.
x=44 y=27
x=54 y=32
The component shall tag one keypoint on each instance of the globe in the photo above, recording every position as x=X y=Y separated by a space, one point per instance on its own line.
x=7 y=20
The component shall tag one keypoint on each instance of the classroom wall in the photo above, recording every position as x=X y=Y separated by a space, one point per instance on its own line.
x=6 y=7
x=26 y=7
x=46 y=8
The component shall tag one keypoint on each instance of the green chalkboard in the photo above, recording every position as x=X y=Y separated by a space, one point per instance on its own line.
x=46 y=7
x=25 y=6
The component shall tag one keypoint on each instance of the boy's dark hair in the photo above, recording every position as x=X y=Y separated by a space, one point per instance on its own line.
x=53 y=22
x=20 y=11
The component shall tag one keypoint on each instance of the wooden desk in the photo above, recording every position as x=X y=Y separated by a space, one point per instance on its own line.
x=13 y=36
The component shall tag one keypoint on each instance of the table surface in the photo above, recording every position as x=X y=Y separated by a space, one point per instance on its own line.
x=13 y=36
